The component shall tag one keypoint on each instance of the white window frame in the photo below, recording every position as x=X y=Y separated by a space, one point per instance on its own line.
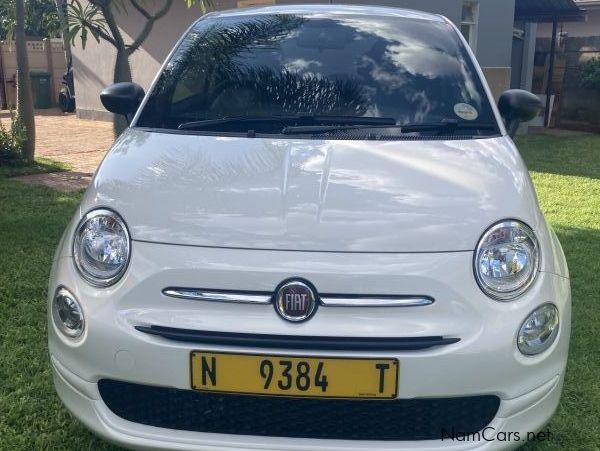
x=473 y=25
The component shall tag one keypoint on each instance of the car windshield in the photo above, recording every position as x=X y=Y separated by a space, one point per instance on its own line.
x=329 y=75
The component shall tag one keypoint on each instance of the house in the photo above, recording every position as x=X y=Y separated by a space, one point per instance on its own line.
x=488 y=25
x=589 y=27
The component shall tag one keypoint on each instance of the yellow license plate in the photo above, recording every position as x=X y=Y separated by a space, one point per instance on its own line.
x=281 y=375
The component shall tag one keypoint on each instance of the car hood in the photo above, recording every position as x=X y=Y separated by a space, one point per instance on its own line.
x=312 y=195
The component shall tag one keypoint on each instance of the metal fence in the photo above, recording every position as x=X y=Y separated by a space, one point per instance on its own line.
x=576 y=107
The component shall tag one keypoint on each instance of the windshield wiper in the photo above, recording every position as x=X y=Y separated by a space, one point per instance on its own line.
x=447 y=125
x=287 y=119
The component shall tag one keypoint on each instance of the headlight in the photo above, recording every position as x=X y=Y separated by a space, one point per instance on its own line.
x=101 y=247
x=539 y=330
x=506 y=260
x=67 y=314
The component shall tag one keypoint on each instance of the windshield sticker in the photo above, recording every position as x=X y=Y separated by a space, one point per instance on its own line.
x=465 y=111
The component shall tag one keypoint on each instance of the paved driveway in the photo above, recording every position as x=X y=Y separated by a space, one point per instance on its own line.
x=63 y=137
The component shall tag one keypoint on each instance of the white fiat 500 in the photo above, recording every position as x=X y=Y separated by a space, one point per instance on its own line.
x=316 y=233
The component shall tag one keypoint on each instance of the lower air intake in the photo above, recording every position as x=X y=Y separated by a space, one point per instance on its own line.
x=401 y=419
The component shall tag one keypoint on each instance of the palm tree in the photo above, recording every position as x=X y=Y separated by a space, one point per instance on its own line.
x=24 y=98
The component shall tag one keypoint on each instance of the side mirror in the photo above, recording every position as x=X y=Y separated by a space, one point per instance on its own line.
x=516 y=106
x=122 y=98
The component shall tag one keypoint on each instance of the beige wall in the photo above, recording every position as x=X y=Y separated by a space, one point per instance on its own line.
x=498 y=78
x=39 y=53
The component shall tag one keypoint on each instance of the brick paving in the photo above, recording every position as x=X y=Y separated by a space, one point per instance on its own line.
x=63 y=137
x=61 y=181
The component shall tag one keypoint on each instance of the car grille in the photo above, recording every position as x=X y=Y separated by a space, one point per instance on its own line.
x=401 y=419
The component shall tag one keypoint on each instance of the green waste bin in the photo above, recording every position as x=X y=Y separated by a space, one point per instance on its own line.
x=40 y=85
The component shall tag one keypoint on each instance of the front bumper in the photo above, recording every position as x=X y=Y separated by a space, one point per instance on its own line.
x=485 y=361
x=515 y=419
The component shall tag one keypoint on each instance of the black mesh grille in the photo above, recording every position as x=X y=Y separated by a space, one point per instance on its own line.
x=402 y=419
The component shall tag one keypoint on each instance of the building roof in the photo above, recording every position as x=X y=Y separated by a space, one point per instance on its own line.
x=547 y=10
x=588 y=4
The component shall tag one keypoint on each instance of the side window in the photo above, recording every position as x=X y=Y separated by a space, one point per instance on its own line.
x=468 y=22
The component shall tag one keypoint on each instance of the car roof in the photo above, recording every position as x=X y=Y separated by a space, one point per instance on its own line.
x=330 y=10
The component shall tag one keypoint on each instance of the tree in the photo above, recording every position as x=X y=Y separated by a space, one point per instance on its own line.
x=590 y=74
x=41 y=19
x=61 y=8
x=24 y=98
x=98 y=18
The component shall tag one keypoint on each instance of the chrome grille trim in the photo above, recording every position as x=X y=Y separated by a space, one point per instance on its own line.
x=326 y=300
x=198 y=294
x=375 y=301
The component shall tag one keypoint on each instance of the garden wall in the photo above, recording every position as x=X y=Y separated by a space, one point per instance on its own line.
x=44 y=56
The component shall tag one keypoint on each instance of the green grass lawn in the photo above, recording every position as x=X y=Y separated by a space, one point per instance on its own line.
x=566 y=172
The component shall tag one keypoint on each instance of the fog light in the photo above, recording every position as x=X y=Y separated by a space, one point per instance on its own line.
x=67 y=314
x=539 y=330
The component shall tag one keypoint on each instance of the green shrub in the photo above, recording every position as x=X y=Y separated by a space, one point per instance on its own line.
x=11 y=141
x=590 y=74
